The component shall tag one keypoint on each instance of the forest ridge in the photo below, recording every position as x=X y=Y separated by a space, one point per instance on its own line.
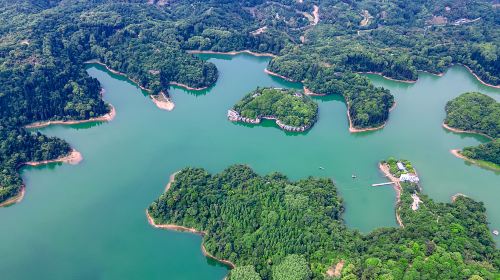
x=44 y=45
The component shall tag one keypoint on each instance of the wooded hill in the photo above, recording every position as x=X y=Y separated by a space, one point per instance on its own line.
x=44 y=45
x=272 y=228
x=477 y=113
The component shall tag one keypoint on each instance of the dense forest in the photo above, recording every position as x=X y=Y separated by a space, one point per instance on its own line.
x=289 y=106
x=476 y=112
x=44 y=45
x=489 y=152
x=272 y=228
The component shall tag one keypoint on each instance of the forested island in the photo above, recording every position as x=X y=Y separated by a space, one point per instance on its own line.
x=476 y=113
x=324 y=44
x=272 y=228
x=292 y=110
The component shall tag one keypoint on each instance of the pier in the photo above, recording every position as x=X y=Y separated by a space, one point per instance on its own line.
x=382 y=184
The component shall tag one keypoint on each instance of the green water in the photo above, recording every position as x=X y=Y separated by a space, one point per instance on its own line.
x=88 y=222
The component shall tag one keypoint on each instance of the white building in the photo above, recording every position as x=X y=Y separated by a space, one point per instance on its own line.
x=232 y=115
x=401 y=166
x=407 y=177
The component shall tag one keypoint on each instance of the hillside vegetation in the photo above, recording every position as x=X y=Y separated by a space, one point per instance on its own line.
x=476 y=112
x=289 y=106
x=44 y=45
x=272 y=228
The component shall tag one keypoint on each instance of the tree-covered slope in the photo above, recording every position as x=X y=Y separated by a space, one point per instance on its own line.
x=269 y=227
x=44 y=44
x=476 y=112
x=290 y=107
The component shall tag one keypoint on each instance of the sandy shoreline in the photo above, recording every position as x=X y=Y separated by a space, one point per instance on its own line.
x=232 y=53
x=455 y=196
x=456 y=153
x=479 y=79
x=465 y=131
x=397 y=187
x=92 y=61
x=436 y=74
x=73 y=158
x=186 y=86
x=311 y=93
x=388 y=78
x=163 y=104
x=267 y=71
x=169 y=106
x=185 y=229
x=104 y=118
x=14 y=199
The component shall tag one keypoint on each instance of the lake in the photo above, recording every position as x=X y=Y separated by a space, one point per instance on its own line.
x=87 y=221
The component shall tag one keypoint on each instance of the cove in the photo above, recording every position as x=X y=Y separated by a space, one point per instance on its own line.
x=87 y=221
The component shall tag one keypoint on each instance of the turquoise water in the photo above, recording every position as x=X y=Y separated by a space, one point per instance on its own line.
x=88 y=221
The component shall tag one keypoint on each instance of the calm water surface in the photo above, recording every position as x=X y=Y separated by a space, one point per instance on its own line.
x=88 y=222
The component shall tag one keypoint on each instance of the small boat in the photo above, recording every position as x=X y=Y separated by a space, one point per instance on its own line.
x=495 y=232
x=353 y=176
x=321 y=168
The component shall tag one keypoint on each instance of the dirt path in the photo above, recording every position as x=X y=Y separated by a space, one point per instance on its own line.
x=397 y=187
x=336 y=270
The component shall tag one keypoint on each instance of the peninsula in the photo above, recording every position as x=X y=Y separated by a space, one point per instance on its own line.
x=259 y=225
x=473 y=112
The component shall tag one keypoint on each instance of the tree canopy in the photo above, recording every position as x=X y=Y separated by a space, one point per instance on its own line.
x=294 y=230
x=476 y=112
x=289 y=106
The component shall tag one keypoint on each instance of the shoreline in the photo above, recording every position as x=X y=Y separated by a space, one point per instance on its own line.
x=267 y=71
x=456 y=130
x=73 y=158
x=278 y=122
x=456 y=153
x=477 y=77
x=389 y=78
x=166 y=105
x=455 y=196
x=96 y=61
x=104 y=118
x=231 y=53
x=185 y=229
x=353 y=129
x=15 y=199
x=311 y=93
x=397 y=187
x=187 y=87
x=435 y=74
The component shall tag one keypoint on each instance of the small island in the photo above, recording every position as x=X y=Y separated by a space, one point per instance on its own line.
x=268 y=227
x=292 y=110
x=473 y=112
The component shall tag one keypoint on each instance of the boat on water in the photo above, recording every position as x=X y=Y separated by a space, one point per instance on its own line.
x=321 y=168
x=495 y=232
x=353 y=176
